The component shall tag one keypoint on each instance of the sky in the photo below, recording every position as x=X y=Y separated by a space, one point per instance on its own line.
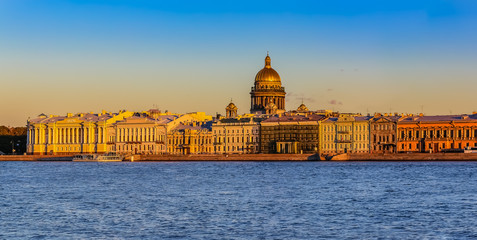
x=405 y=56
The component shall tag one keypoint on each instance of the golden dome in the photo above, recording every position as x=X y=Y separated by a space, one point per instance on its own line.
x=302 y=108
x=267 y=74
x=231 y=106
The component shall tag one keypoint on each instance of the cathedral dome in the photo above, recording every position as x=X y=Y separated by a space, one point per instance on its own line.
x=267 y=74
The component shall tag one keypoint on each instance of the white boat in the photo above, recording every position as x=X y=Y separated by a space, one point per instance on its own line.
x=470 y=150
x=107 y=157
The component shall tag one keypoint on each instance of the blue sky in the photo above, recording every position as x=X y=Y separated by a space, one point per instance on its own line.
x=351 y=56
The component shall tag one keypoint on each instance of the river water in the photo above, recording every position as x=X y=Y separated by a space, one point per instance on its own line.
x=238 y=200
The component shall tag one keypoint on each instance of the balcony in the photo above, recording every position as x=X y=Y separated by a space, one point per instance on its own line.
x=344 y=141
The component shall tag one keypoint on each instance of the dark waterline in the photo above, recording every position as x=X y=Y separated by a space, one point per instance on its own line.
x=238 y=200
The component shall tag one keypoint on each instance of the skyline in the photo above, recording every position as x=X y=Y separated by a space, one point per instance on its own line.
x=81 y=56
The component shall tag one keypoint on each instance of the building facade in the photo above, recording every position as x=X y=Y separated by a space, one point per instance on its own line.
x=345 y=134
x=141 y=134
x=291 y=134
x=436 y=133
x=267 y=95
x=190 y=138
x=72 y=134
x=383 y=134
x=236 y=135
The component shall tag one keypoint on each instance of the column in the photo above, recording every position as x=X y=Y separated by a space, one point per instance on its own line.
x=28 y=136
x=85 y=135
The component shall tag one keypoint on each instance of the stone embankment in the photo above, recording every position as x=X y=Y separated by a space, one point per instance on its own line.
x=35 y=158
x=407 y=157
x=269 y=157
x=232 y=157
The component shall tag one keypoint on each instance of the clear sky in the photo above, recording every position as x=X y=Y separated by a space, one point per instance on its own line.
x=59 y=56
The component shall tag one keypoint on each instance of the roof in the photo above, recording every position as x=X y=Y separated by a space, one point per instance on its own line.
x=84 y=117
x=240 y=120
x=181 y=126
x=438 y=118
x=47 y=120
x=356 y=119
x=295 y=118
x=390 y=118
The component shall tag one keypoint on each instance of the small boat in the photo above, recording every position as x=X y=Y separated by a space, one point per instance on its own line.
x=107 y=157
x=84 y=158
x=470 y=150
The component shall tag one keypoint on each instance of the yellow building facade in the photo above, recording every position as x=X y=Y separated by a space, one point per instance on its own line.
x=345 y=134
x=236 y=135
x=141 y=135
x=72 y=134
x=193 y=138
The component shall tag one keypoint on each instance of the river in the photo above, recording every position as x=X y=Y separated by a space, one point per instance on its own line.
x=238 y=200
